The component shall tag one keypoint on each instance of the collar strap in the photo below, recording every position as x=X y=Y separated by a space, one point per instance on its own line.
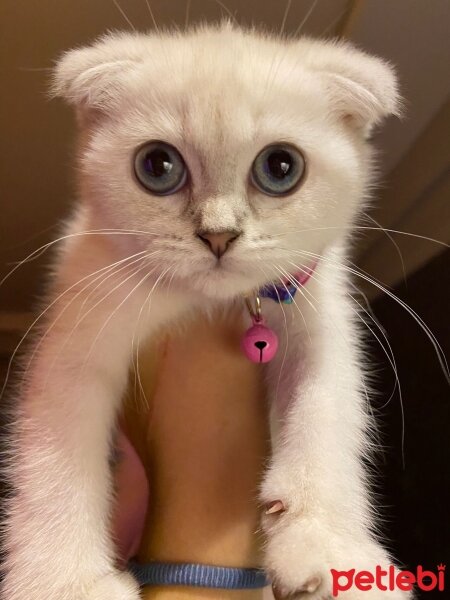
x=197 y=575
x=284 y=292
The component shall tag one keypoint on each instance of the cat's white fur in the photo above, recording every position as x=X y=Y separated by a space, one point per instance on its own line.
x=219 y=94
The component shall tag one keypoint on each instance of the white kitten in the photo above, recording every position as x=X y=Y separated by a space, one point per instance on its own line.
x=213 y=99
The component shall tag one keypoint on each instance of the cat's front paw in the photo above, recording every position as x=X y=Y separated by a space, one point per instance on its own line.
x=114 y=586
x=302 y=551
x=296 y=557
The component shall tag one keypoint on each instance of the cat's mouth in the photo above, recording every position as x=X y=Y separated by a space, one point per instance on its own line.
x=227 y=279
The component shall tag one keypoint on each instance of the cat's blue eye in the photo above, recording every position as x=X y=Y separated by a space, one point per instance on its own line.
x=160 y=168
x=278 y=169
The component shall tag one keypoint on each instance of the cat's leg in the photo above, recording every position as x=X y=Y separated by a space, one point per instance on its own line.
x=57 y=538
x=317 y=510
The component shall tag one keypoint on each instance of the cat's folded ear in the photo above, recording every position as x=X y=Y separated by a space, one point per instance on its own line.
x=362 y=89
x=92 y=78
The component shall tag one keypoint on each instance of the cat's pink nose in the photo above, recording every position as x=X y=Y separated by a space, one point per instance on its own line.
x=218 y=242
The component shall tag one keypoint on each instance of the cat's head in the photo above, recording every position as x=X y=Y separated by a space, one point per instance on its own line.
x=239 y=154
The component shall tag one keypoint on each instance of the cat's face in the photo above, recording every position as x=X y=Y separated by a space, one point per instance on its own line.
x=240 y=156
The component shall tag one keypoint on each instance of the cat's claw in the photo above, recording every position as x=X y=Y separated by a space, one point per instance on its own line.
x=308 y=588
x=275 y=507
x=311 y=585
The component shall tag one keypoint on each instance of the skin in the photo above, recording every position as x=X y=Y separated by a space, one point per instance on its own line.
x=203 y=452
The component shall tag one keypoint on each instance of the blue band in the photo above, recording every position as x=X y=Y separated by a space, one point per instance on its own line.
x=197 y=575
x=281 y=294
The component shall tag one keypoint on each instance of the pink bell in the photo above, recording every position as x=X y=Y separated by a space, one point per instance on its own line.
x=259 y=343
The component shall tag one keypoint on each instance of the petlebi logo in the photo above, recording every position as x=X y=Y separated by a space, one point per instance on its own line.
x=388 y=580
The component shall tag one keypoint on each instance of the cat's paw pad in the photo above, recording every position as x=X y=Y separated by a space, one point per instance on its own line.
x=114 y=586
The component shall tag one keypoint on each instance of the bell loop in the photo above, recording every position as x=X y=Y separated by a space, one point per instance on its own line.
x=254 y=311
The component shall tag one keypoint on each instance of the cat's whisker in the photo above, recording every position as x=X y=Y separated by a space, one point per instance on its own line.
x=285 y=16
x=396 y=246
x=141 y=255
x=438 y=349
x=135 y=363
x=346 y=341
x=389 y=354
x=391 y=359
x=39 y=251
x=359 y=292
x=103 y=277
x=300 y=289
x=114 y=312
x=303 y=290
x=356 y=227
x=169 y=285
x=36 y=69
x=39 y=317
x=306 y=18
x=187 y=14
x=148 y=303
x=123 y=13
x=283 y=275
x=432 y=338
x=336 y=20
x=152 y=16
x=134 y=271
x=79 y=321
x=347 y=259
x=228 y=11
x=274 y=70
x=140 y=397
x=368 y=310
